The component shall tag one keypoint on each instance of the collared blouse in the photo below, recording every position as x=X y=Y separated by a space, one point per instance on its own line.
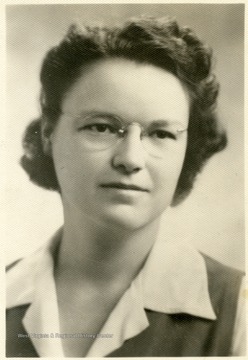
x=173 y=281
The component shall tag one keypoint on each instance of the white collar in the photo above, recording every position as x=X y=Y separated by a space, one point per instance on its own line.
x=173 y=280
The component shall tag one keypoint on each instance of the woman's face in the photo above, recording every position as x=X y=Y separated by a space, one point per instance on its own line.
x=124 y=179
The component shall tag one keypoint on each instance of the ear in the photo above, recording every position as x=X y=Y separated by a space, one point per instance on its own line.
x=46 y=136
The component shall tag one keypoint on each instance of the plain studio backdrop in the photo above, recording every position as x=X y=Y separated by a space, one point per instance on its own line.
x=212 y=217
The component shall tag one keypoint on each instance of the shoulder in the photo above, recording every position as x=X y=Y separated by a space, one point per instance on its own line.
x=220 y=274
x=225 y=288
x=11 y=265
x=21 y=277
x=224 y=283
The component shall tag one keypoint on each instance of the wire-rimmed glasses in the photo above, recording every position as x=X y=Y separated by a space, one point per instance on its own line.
x=100 y=131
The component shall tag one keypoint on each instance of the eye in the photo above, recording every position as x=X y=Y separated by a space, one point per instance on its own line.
x=98 y=128
x=163 y=134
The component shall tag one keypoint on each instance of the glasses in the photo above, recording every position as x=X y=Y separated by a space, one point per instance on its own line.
x=102 y=131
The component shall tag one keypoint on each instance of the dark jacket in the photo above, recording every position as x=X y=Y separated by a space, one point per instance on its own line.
x=168 y=335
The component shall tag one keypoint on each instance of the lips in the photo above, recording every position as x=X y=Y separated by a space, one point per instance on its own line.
x=114 y=185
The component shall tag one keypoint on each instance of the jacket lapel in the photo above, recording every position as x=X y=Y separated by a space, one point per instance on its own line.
x=18 y=342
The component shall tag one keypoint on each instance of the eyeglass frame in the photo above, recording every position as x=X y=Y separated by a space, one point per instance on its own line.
x=119 y=131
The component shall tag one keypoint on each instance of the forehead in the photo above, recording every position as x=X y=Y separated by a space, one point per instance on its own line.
x=131 y=90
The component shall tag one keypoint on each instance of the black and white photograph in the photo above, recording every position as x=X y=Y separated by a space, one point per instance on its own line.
x=124 y=191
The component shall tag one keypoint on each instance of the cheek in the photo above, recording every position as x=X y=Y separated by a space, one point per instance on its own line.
x=67 y=159
x=167 y=172
x=76 y=168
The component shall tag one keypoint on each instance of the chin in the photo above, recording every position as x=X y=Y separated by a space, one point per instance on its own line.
x=127 y=219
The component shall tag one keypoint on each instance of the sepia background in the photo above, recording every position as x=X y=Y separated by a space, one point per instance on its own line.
x=212 y=217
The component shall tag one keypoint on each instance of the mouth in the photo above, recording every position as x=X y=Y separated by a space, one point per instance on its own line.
x=123 y=187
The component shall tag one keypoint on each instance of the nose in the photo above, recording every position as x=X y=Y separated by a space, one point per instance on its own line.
x=129 y=154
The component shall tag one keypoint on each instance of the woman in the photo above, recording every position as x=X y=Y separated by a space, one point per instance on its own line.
x=128 y=121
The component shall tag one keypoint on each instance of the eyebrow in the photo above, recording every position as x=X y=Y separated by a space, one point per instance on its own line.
x=153 y=123
x=163 y=122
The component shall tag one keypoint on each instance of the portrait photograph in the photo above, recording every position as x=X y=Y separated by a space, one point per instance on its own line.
x=124 y=190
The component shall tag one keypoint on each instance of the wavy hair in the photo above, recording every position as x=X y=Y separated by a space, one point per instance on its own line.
x=159 y=42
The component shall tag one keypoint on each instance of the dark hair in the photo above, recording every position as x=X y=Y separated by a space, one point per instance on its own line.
x=160 y=42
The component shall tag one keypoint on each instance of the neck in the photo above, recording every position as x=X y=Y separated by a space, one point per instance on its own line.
x=103 y=253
